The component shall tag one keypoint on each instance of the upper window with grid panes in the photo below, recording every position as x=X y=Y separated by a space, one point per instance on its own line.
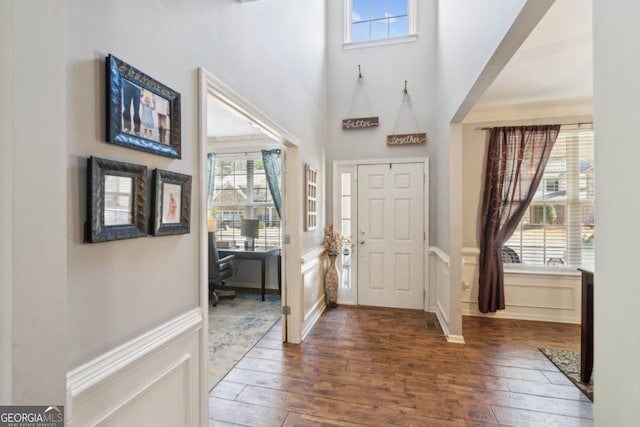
x=373 y=22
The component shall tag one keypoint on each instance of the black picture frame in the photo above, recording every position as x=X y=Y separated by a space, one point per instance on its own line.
x=154 y=124
x=116 y=200
x=171 y=213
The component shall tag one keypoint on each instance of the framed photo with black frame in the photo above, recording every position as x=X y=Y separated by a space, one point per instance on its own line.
x=171 y=212
x=116 y=200
x=142 y=113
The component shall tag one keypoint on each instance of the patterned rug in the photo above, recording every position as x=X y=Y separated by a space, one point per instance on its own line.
x=235 y=326
x=568 y=362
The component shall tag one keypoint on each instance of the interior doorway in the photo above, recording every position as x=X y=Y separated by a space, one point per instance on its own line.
x=249 y=130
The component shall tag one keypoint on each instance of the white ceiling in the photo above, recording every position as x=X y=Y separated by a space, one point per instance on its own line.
x=554 y=63
x=222 y=122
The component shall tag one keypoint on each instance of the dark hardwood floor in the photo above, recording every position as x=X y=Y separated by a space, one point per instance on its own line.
x=387 y=367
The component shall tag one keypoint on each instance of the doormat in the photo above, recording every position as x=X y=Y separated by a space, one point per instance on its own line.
x=568 y=362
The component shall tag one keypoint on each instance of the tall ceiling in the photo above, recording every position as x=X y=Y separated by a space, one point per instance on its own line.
x=554 y=63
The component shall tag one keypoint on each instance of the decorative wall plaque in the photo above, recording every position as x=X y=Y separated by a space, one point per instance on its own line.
x=407 y=138
x=360 y=123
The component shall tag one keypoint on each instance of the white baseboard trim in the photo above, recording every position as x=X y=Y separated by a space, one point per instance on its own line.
x=455 y=339
x=313 y=316
x=140 y=373
x=506 y=314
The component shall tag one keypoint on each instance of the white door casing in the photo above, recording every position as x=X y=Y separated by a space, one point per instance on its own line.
x=390 y=235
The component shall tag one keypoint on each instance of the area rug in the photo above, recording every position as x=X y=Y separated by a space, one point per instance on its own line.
x=235 y=326
x=568 y=362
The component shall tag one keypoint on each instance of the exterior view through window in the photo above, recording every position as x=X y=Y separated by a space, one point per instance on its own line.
x=558 y=227
x=241 y=191
x=378 y=19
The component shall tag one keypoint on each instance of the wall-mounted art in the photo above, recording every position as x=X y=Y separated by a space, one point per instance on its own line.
x=115 y=200
x=360 y=92
x=141 y=112
x=407 y=138
x=310 y=198
x=171 y=212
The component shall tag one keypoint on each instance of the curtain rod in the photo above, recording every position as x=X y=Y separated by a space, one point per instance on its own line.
x=561 y=124
x=241 y=152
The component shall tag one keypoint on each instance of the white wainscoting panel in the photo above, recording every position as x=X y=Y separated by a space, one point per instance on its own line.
x=151 y=380
x=439 y=280
x=312 y=270
x=552 y=296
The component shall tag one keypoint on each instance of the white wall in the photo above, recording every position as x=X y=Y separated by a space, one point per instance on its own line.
x=385 y=68
x=273 y=54
x=467 y=62
x=78 y=301
x=616 y=112
x=36 y=194
x=6 y=194
x=111 y=283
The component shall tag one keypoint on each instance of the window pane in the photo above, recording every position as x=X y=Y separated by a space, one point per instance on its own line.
x=346 y=228
x=397 y=7
x=378 y=9
x=346 y=184
x=360 y=10
x=360 y=32
x=398 y=27
x=379 y=29
x=346 y=207
x=232 y=201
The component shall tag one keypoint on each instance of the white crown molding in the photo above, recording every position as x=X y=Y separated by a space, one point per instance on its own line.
x=530 y=111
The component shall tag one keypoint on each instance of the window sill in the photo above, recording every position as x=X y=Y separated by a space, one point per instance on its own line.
x=382 y=42
x=542 y=271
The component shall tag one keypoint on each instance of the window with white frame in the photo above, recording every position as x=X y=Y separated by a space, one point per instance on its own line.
x=241 y=191
x=379 y=20
x=558 y=227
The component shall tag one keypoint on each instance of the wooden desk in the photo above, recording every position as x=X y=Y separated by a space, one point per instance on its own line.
x=260 y=254
x=586 y=337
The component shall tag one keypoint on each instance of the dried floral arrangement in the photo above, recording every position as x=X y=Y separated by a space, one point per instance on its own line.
x=334 y=242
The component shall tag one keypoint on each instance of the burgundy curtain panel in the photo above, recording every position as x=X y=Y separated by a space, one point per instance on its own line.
x=516 y=160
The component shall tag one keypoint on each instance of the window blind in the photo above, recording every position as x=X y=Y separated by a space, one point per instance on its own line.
x=558 y=227
x=241 y=191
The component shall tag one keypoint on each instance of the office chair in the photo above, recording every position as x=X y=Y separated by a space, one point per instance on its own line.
x=219 y=270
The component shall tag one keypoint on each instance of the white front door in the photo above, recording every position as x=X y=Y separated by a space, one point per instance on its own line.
x=390 y=235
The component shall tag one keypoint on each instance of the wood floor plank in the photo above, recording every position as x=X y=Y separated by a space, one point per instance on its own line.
x=245 y=414
x=385 y=367
x=295 y=419
x=226 y=390
x=368 y=414
x=523 y=418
